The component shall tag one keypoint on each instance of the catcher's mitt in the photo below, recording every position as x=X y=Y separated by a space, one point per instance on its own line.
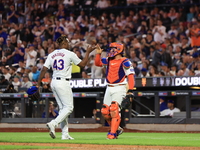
x=126 y=102
x=33 y=93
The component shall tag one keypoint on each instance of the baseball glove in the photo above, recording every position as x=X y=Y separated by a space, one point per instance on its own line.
x=33 y=93
x=126 y=102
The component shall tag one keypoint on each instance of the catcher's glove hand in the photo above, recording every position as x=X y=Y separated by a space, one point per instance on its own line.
x=33 y=93
x=126 y=102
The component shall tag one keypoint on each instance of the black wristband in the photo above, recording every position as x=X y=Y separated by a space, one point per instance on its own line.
x=130 y=91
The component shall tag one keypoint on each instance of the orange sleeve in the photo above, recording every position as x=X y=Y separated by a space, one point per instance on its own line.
x=97 y=60
x=131 y=81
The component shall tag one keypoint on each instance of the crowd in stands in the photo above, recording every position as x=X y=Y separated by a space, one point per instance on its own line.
x=162 y=38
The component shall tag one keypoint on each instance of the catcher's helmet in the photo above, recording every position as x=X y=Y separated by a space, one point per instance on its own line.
x=115 y=48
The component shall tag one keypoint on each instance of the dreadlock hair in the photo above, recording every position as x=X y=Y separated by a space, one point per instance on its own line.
x=61 y=39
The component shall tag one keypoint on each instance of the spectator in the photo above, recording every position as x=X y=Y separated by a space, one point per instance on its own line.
x=197 y=72
x=30 y=55
x=18 y=54
x=144 y=73
x=3 y=80
x=190 y=15
x=1 y=46
x=165 y=56
x=153 y=71
x=61 y=13
x=8 y=50
x=41 y=63
x=155 y=55
x=136 y=69
x=12 y=15
x=53 y=113
x=10 y=89
x=163 y=104
x=172 y=13
x=184 y=71
x=58 y=30
x=173 y=30
x=47 y=78
x=3 y=35
x=21 y=65
x=12 y=72
x=173 y=71
x=16 y=83
x=46 y=87
x=133 y=56
x=102 y=4
x=86 y=74
x=159 y=32
x=13 y=40
x=194 y=35
x=147 y=42
x=81 y=17
x=25 y=82
x=95 y=71
x=6 y=73
x=165 y=69
x=171 y=109
x=45 y=47
x=68 y=3
x=35 y=73
x=166 y=21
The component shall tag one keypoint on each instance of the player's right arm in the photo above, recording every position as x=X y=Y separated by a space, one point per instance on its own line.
x=86 y=58
x=42 y=73
x=45 y=67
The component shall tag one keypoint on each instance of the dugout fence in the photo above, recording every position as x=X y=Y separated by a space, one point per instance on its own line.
x=88 y=97
x=86 y=102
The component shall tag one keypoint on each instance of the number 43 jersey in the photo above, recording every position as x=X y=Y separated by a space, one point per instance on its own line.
x=60 y=60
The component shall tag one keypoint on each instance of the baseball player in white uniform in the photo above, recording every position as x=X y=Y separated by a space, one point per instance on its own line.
x=60 y=60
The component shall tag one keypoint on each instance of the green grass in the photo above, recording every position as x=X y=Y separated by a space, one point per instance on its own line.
x=153 y=139
x=2 y=147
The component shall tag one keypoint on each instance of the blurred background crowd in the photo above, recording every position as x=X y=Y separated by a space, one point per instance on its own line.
x=160 y=37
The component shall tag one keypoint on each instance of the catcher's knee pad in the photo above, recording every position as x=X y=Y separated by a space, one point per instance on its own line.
x=105 y=111
x=115 y=115
x=114 y=110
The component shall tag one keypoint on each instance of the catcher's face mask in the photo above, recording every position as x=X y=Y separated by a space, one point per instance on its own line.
x=114 y=49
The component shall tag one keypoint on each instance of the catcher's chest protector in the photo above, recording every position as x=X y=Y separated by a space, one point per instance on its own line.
x=115 y=71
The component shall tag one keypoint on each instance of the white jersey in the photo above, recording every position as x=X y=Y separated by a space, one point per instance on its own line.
x=60 y=60
x=169 y=112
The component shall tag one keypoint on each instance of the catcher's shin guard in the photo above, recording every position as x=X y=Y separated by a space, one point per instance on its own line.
x=115 y=115
x=105 y=111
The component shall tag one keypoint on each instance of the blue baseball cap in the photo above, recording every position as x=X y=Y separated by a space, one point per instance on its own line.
x=170 y=101
x=62 y=29
x=164 y=64
x=144 y=70
x=162 y=97
x=30 y=45
x=195 y=55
